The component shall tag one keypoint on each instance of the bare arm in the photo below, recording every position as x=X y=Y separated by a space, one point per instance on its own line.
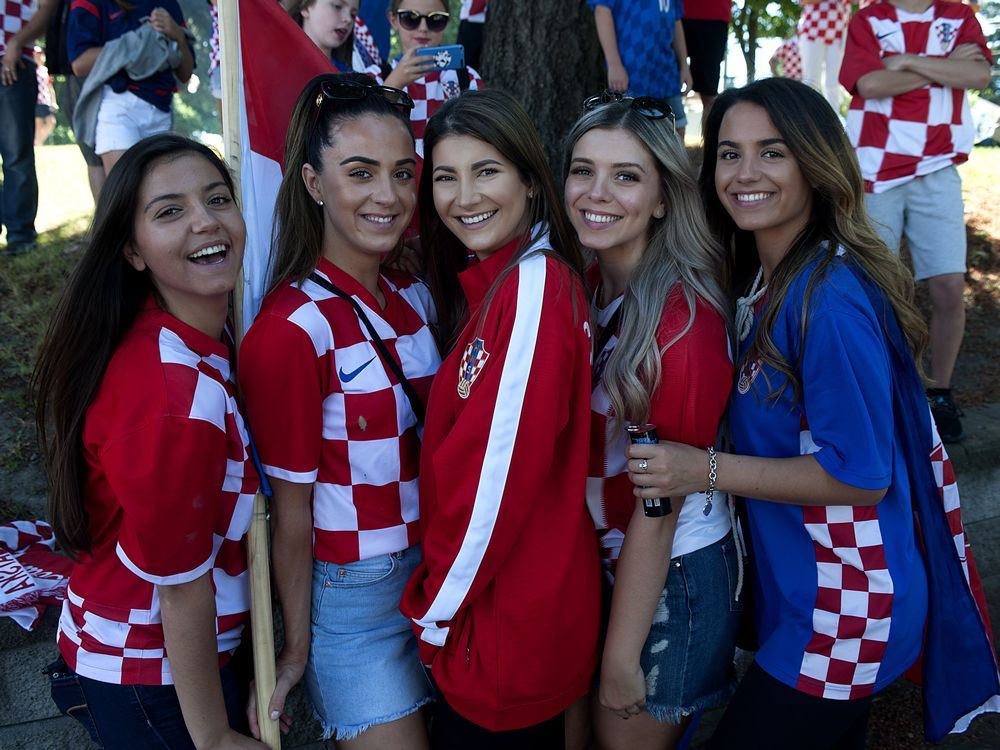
x=162 y=21
x=676 y=469
x=188 y=611
x=639 y=579
x=605 y=22
x=291 y=556
x=965 y=68
x=880 y=84
x=33 y=29
x=83 y=64
x=681 y=53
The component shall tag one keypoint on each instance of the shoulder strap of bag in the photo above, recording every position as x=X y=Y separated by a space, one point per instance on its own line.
x=411 y=394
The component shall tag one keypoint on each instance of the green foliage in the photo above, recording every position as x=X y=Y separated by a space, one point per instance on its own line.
x=756 y=19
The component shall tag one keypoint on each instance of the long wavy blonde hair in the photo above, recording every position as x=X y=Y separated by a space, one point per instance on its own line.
x=816 y=138
x=680 y=249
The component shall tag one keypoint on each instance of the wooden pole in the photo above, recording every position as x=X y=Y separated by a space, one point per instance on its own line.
x=261 y=619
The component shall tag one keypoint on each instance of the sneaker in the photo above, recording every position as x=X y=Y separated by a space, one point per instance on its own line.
x=18 y=248
x=946 y=416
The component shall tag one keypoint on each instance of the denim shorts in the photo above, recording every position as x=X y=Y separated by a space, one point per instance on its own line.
x=363 y=668
x=688 y=654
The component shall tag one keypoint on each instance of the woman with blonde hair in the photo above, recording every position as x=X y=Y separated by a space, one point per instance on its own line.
x=661 y=359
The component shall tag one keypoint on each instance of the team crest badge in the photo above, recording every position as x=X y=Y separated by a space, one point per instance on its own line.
x=473 y=359
x=945 y=33
x=747 y=375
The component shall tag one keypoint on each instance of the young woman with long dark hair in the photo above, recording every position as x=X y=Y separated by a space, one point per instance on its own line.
x=506 y=601
x=832 y=440
x=151 y=485
x=336 y=369
x=662 y=358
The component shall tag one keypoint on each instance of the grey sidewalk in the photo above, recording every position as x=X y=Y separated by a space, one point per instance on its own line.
x=29 y=721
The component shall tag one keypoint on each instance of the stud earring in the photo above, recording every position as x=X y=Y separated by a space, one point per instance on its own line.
x=531 y=194
x=319 y=203
x=658 y=213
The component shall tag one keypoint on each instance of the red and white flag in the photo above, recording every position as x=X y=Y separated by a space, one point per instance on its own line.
x=32 y=574
x=276 y=62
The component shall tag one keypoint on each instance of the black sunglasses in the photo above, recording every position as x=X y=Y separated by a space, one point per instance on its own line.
x=647 y=106
x=410 y=20
x=353 y=91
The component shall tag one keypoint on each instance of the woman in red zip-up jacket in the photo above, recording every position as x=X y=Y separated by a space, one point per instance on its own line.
x=506 y=602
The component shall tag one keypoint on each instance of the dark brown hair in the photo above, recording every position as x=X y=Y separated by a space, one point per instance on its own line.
x=97 y=307
x=299 y=233
x=817 y=140
x=497 y=118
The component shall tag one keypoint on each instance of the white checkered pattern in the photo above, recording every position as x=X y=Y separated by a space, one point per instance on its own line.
x=13 y=16
x=429 y=93
x=852 y=614
x=473 y=10
x=363 y=39
x=110 y=628
x=365 y=501
x=944 y=475
x=46 y=96
x=919 y=132
x=790 y=60
x=824 y=21
x=214 y=52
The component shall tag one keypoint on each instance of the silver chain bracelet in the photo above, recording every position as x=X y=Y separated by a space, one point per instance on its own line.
x=713 y=475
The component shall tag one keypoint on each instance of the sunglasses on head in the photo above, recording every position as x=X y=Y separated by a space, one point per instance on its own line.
x=647 y=106
x=354 y=91
x=410 y=20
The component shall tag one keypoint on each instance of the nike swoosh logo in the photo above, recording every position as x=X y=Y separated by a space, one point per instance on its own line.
x=888 y=33
x=113 y=16
x=347 y=377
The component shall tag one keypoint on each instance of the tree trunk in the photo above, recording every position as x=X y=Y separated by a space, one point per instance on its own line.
x=548 y=56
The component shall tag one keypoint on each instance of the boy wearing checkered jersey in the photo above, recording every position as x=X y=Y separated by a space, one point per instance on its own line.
x=821 y=28
x=908 y=64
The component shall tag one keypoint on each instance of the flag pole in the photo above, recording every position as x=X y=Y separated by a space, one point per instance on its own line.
x=261 y=619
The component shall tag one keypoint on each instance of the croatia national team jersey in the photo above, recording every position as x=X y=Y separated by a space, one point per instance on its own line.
x=327 y=410
x=841 y=590
x=169 y=489
x=645 y=32
x=697 y=375
x=824 y=21
x=14 y=14
x=790 y=59
x=908 y=135
x=473 y=11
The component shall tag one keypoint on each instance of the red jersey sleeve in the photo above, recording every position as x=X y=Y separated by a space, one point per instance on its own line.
x=862 y=53
x=283 y=387
x=506 y=438
x=696 y=374
x=168 y=477
x=972 y=33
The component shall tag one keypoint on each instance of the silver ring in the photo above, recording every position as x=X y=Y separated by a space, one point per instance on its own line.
x=643 y=465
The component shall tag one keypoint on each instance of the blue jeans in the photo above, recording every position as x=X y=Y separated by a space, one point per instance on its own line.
x=127 y=717
x=19 y=189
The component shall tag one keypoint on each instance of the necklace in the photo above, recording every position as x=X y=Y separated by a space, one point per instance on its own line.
x=744 y=307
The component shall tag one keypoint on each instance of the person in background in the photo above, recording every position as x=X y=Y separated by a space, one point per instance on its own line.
x=335 y=369
x=421 y=23
x=786 y=60
x=822 y=30
x=471 y=23
x=151 y=482
x=45 y=104
x=661 y=358
x=645 y=51
x=907 y=67
x=334 y=27
x=706 y=31
x=22 y=22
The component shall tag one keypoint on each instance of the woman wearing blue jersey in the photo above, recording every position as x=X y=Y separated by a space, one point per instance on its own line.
x=841 y=588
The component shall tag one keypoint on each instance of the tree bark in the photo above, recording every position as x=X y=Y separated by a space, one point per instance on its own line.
x=548 y=56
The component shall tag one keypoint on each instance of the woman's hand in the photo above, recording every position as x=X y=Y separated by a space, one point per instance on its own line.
x=288 y=672
x=667 y=469
x=617 y=77
x=409 y=68
x=623 y=687
x=162 y=21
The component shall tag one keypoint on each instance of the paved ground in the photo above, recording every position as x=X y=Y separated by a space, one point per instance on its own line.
x=28 y=719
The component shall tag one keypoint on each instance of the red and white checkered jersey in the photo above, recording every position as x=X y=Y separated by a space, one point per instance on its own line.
x=326 y=408
x=697 y=375
x=824 y=21
x=363 y=38
x=45 y=96
x=473 y=10
x=13 y=15
x=214 y=52
x=789 y=58
x=169 y=489
x=901 y=137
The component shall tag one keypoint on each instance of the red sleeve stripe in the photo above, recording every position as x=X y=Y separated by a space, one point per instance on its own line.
x=87 y=6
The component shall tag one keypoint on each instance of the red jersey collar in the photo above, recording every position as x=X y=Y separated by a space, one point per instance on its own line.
x=480 y=274
x=200 y=343
x=343 y=280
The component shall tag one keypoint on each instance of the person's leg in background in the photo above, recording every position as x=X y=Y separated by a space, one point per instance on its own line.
x=19 y=190
x=834 y=55
x=95 y=167
x=812 y=52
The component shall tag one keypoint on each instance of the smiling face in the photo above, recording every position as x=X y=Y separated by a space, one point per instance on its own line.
x=329 y=22
x=613 y=192
x=367 y=187
x=188 y=234
x=420 y=36
x=759 y=181
x=479 y=194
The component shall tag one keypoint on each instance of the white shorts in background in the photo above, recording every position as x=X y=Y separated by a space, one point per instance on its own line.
x=124 y=119
x=929 y=210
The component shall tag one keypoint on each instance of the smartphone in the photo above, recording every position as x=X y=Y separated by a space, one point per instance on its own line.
x=449 y=57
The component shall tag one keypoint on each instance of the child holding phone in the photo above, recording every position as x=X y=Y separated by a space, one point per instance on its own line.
x=420 y=24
